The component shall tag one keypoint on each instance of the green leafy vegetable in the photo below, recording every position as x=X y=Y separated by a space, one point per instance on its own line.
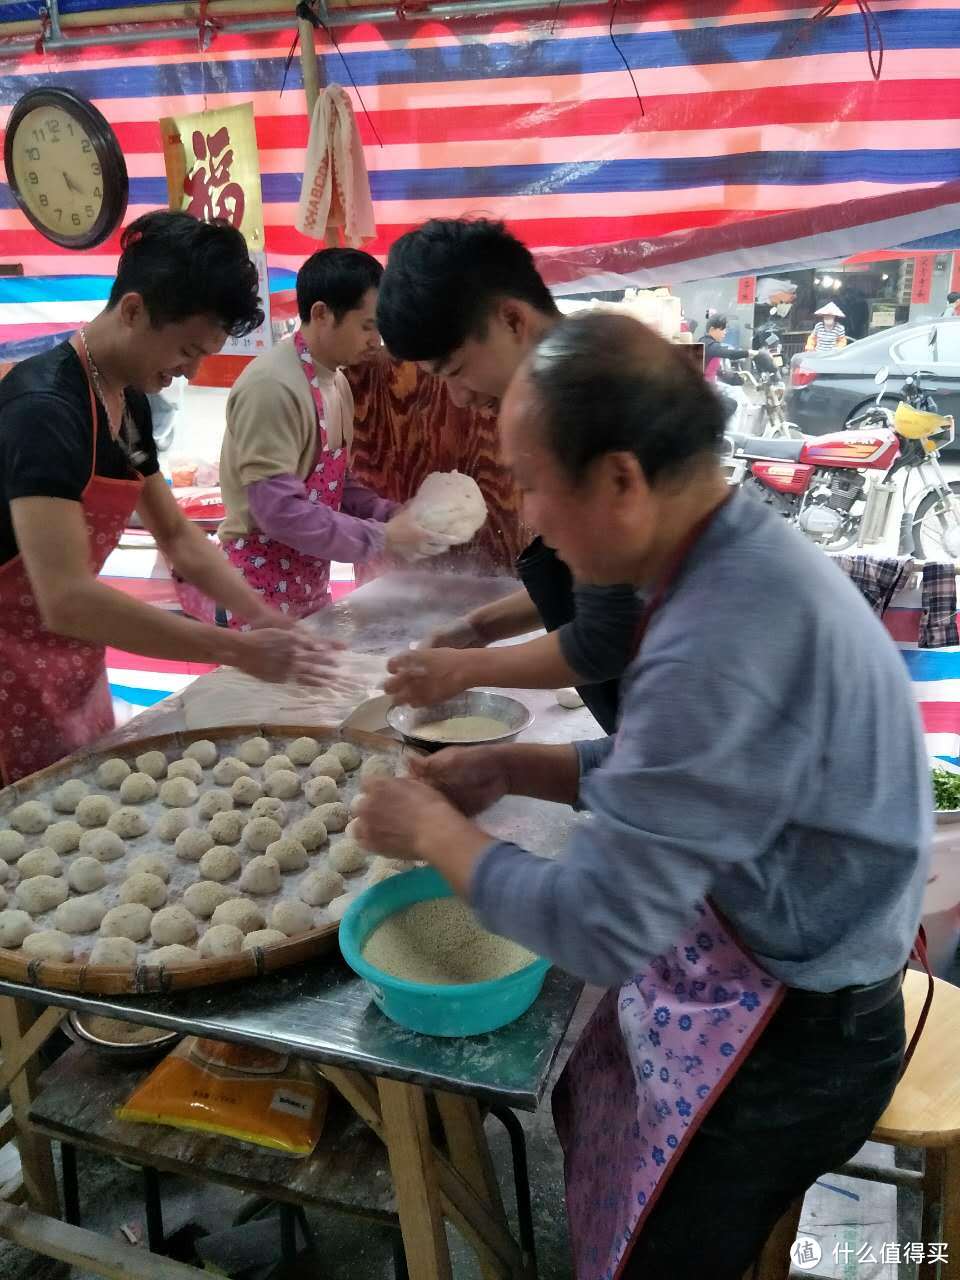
x=946 y=789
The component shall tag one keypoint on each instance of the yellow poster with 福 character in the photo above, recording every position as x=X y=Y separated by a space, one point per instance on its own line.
x=213 y=168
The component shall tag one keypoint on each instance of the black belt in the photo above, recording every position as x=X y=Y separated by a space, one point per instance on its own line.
x=848 y=1003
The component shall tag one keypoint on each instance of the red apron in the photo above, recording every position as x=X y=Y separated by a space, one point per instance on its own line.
x=54 y=696
x=295 y=583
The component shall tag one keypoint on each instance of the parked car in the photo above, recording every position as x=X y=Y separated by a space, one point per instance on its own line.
x=826 y=391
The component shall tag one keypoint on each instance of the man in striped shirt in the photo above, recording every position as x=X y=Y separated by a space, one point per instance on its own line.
x=828 y=334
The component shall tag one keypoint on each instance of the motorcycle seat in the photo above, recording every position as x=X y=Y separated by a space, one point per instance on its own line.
x=767 y=447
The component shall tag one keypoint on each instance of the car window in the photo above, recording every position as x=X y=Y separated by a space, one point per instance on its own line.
x=948 y=344
x=913 y=351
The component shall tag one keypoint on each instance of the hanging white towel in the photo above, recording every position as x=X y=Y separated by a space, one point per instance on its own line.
x=335 y=195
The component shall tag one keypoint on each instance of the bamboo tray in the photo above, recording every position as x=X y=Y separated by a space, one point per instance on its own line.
x=79 y=976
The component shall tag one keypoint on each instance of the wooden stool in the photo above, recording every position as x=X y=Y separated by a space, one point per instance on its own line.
x=923 y=1113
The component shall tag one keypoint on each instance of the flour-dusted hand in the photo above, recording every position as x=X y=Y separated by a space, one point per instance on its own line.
x=393 y=815
x=406 y=538
x=471 y=778
x=426 y=676
x=277 y=656
x=461 y=634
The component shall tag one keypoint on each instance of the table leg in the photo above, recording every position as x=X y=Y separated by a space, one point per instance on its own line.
x=71 y=1184
x=950 y=1221
x=36 y=1154
x=406 y=1133
x=470 y=1156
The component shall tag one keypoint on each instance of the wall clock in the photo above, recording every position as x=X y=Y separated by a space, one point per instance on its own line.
x=65 y=168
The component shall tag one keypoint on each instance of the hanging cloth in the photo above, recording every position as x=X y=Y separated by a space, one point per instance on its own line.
x=335 y=195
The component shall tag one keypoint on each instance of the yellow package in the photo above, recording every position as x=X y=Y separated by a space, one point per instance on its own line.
x=255 y=1095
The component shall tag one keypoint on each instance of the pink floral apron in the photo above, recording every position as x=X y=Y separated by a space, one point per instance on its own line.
x=290 y=581
x=652 y=1061
x=54 y=695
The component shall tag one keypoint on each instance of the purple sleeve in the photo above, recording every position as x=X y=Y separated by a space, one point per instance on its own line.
x=280 y=507
x=360 y=501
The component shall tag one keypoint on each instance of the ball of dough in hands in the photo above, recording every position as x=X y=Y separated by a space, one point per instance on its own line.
x=275 y=763
x=14 y=927
x=63 y=837
x=12 y=845
x=178 y=793
x=39 y=862
x=451 y=503
x=95 y=811
x=48 y=944
x=152 y=762
x=245 y=791
x=291 y=917
x=129 y=823
x=383 y=868
x=138 y=788
x=269 y=807
x=192 y=844
x=203 y=897
x=157 y=864
x=333 y=816
x=304 y=750
x=255 y=751
x=282 y=784
x=213 y=802
x=259 y=833
x=203 y=751
x=105 y=846
x=40 y=894
x=173 y=924
x=229 y=770
x=261 y=875
x=69 y=794
x=219 y=863
x=377 y=767
x=221 y=940
x=320 y=791
x=289 y=854
x=328 y=766
x=319 y=887
x=186 y=769
x=310 y=831
x=226 y=828
x=169 y=825
x=84 y=875
x=348 y=755
x=243 y=913
x=346 y=856
x=31 y=818
x=263 y=938
x=144 y=888
x=80 y=915
x=132 y=920
x=112 y=772
x=118 y=953
x=174 y=956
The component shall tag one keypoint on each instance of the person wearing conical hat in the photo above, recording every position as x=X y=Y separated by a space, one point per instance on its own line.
x=828 y=334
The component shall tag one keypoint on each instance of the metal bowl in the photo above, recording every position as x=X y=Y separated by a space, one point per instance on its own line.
x=129 y=1051
x=476 y=702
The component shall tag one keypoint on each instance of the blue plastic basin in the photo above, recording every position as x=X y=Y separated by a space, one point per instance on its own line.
x=461 y=1009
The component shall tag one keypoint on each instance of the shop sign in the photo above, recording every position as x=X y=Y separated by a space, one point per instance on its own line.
x=955 y=277
x=922 y=277
x=746 y=291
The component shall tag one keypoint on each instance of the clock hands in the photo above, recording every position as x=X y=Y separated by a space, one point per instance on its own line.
x=71 y=185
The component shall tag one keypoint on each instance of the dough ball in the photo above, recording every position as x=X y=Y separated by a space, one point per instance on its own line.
x=203 y=898
x=69 y=794
x=156 y=864
x=354 y=805
x=178 y=793
x=191 y=845
x=246 y=791
x=32 y=817
x=226 y=828
x=291 y=917
x=269 y=807
x=132 y=921
x=384 y=868
x=14 y=927
x=112 y=772
x=154 y=763
x=63 y=837
x=261 y=875
x=229 y=770
x=173 y=957
x=129 y=823
x=333 y=816
x=377 y=767
x=254 y=751
x=84 y=875
x=337 y=908
x=186 y=769
x=319 y=887
x=221 y=940
x=263 y=938
x=320 y=791
x=259 y=833
x=219 y=863
x=348 y=755
x=346 y=856
x=48 y=944
x=173 y=924
x=310 y=831
x=4 y=872
x=243 y=913
x=137 y=789
x=289 y=854
x=169 y=825
x=276 y=763
x=149 y=890
x=352 y=831
x=283 y=784
x=114 y=952
x=203 y=751
x=214 y=802
x=328 y=766
x=4 y=897
x=80 y=915
x=105 y=846
x=39 y=862
x=304 y=750
x=451 y=503
x=568 y=698
x=40 y=894
x=95 y=811
x=12 y=845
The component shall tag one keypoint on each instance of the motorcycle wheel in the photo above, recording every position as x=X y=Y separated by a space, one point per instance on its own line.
x=930 y=525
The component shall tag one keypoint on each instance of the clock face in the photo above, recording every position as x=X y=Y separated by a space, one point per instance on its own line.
x=65 y=168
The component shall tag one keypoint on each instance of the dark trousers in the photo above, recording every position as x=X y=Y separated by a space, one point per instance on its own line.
x=803 y=1103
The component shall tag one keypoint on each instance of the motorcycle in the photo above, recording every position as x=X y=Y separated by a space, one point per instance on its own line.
x=838 y=489
x=761 y=394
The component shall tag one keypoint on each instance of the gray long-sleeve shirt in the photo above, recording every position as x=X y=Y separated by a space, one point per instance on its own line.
x=769 y=754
